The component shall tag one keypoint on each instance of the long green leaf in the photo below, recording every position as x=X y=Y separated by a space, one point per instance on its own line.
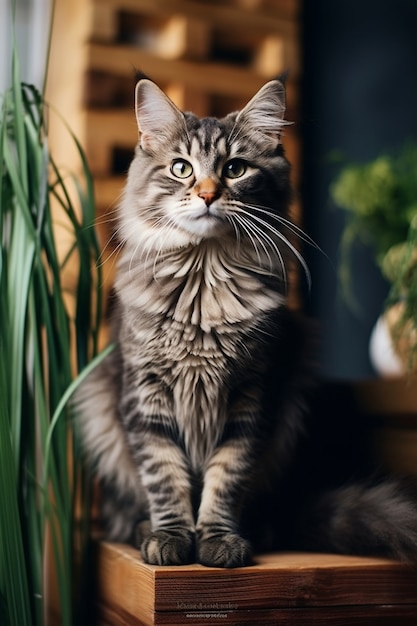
x=37 y=333
x=13 y=578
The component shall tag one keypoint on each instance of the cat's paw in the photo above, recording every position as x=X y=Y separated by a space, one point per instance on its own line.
x=228 y=550
x=169 y=547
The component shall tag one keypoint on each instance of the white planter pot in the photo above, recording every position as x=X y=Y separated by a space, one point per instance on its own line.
x=381 y=351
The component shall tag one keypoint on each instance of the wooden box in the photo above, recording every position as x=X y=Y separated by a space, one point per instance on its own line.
x=291 y=588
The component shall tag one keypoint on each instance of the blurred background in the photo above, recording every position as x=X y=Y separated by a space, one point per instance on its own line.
x=352 y=95
x=359 y=99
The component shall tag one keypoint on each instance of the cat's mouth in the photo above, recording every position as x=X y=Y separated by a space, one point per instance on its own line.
x=207 y=212
x=206 y=221
x=210 y=212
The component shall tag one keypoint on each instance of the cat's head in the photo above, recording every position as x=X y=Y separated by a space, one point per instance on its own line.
x=193 y=179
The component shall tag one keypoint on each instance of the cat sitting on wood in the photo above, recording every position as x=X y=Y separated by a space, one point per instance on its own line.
x=192 y=420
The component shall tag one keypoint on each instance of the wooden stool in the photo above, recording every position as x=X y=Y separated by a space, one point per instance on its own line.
x=291 y=588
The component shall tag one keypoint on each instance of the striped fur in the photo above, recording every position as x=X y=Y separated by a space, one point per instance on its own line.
x=199 y=406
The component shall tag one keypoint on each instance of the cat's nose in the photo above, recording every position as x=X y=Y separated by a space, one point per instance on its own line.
x=208 y=191
x=208 y=196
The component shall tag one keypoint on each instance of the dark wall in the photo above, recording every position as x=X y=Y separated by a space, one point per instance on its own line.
x=359 y=97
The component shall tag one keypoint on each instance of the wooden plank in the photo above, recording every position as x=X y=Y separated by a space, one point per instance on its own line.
x=383 y=615
x=124 y=584
x=277 y=581
x=284 y=9
x=183 y=37
x=222 y=14
x=214 y=78
x=290 y=580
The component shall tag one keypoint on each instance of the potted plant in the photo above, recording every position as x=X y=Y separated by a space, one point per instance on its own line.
x=380 y=200
x=48 y=334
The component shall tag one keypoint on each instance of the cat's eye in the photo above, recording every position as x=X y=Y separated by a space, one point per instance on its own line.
x=234 y=168
x=181 y=168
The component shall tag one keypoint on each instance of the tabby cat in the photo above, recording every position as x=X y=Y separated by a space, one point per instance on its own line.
x=192 y=419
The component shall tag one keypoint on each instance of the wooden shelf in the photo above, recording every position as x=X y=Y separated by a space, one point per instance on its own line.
x=282 y=18
x=222 y=78
x=290 y=588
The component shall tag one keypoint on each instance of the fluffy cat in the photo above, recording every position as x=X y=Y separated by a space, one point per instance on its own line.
x=193 y=418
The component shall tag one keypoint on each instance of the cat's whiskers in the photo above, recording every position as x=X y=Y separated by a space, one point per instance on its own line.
x=279 y=254
x=261 y=237
x=148 y=250
x=113 y=256
x=247 y=227
x=286 y=241
x=229 y=218
x=269 y=239
x=291 y=226
x=294 y=228
x=169 y=225
x=107 y=245
x=232 y=220
x=108 y=217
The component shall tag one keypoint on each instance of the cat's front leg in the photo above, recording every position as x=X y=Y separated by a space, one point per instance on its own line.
x=164 y=475
x=226 y=479
x=219 y=543
x=169 y=539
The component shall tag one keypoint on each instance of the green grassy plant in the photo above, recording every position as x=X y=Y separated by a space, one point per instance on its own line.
x=48 y=335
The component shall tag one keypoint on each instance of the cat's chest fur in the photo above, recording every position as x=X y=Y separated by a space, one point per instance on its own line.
x=196 y=291
x=187 y=316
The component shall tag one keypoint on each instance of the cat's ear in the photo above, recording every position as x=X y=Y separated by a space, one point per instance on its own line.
x=264 y=114
x=159 y=120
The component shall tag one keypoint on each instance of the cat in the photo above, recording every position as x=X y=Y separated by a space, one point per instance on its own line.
x=192 y=421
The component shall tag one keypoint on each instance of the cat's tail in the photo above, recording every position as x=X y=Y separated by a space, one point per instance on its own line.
x=365 y=519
